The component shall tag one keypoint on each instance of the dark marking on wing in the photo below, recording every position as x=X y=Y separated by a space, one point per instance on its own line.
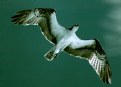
x=37 y=16
x=97 y=59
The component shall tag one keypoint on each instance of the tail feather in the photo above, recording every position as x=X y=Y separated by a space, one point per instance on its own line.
x=50 y=55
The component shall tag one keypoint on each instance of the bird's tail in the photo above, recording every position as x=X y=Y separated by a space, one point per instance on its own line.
x=50 y=55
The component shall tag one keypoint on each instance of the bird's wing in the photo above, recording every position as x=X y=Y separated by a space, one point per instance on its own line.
x=96 y=57
x=45 y=18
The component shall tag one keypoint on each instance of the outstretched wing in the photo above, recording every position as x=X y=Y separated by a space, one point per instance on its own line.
x=96 y=57
x=45 y=18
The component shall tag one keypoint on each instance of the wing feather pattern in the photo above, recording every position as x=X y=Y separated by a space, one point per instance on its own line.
x=97 y=59
x=37 y=16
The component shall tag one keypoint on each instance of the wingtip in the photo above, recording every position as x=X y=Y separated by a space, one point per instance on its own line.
x=14 y=21
x=106 y=75
x=109 y=80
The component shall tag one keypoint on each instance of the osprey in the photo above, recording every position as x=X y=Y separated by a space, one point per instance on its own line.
x=65 y=39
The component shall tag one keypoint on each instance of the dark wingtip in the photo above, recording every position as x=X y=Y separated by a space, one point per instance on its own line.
x=17 y=19
x=14 y=20
x=106 y=74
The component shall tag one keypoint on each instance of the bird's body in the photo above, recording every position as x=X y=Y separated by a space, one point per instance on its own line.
x=66 y=40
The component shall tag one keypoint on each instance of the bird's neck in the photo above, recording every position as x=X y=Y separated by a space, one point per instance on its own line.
x=74 y=29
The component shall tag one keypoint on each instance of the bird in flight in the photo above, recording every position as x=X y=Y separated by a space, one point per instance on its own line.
x=65 y=39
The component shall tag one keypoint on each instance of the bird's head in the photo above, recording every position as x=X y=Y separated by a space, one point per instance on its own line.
x=75 y=27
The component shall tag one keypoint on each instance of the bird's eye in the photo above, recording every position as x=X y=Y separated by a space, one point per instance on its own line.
x=76 y=24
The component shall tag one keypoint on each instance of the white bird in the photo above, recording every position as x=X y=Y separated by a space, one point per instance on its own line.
x=65 y=39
